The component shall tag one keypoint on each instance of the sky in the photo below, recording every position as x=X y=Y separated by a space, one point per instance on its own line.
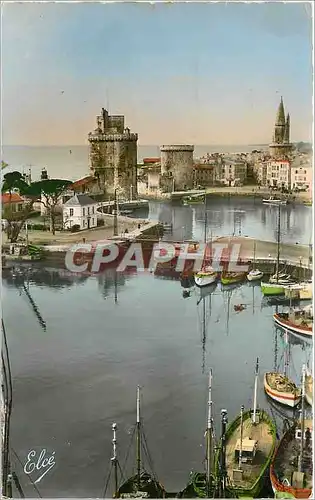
x=185 y=73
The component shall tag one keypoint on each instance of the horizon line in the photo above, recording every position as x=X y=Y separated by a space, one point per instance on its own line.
x=141 y=145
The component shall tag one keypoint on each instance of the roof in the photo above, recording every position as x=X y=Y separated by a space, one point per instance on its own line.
x=247 y=444
x=81 y=182
x=151 y=160
x=80 y=200
x=11 y=198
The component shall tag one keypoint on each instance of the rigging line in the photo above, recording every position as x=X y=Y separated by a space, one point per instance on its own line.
x=8 y=359
x=5 y=387
x=149 y=457
x=128 y=452
x=29 y=478
x=107 y=480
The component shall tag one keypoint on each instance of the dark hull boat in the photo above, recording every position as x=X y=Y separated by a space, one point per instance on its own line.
x=143 y=484
x=147 y=487
x=203 y=484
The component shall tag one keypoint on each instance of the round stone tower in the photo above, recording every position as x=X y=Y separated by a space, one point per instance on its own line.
x=177 y=163
x=113 y=156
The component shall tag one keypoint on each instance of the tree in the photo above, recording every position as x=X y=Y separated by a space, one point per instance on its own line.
x=49 y=192
x=13 y=181
x=4 y=165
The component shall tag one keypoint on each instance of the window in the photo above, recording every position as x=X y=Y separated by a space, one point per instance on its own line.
x=92 y=222
x=93 y=210
x=71 y=212
x=88 y=209
x=83 y=212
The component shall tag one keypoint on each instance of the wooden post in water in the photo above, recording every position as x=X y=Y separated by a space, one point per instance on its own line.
x=209 y=434
x=138 y=437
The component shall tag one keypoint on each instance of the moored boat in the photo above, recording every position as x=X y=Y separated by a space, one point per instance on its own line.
x=143 y=484
x=248 y=447
x=269 y=289
x=309 y=387
x=229 y=278
x=281 y=389
x=206 y=277
x=194 y=199
x=298 y=321
x=203 y=484
x=301 y=291
x=274 y=201
x=254 y=274
x=291 y=469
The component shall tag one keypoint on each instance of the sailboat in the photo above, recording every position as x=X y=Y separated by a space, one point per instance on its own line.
x=291 y=469
x=279 y=387
x=202 y=484
x=206 y=276
x=298 y=321
x=254 y=274
x=249 y=444
x=308 y=386
x=278 y=281
x=142 y=484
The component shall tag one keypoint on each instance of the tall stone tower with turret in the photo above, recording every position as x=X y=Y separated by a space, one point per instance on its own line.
x=113 y=156
x=281 y=146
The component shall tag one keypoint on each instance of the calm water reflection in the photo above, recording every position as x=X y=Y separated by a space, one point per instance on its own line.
x=103 y=337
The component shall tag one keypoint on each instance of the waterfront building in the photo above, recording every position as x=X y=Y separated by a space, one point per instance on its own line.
x=301 y=177
x=113 y=156
x=281 y=146
x=80 y=210
x=204 y=175
x=234 y=172
x=13 y=201
x=278 y=174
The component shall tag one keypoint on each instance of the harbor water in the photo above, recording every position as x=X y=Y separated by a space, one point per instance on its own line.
x=108 y=333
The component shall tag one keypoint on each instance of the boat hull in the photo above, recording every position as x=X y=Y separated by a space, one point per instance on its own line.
x=202 y=280
x=231 y=280
x=269 y=289
x=255 y=277
x=288 y=325
x=284 y=398
x=148 y=485
x=279 y=487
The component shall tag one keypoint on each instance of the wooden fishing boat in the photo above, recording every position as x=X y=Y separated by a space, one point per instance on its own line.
x=281 y=389
x=298 y=321
x=269 y=289
x=309 y=387
x=202 y=484
x=206 y=276
x=291 y=469
x=228 y=278
x=194 y=199
x=143 y=484
x=249 y=445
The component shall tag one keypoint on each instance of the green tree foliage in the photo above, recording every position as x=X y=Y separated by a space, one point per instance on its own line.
x=50 y=191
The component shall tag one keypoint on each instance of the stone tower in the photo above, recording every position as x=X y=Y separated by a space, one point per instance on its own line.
x=177 y=163
x=281 y=147
x=113 y=156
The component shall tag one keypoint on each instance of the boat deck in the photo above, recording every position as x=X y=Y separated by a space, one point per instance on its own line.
x=261 y=433
x=280 y=383
x=286 y=461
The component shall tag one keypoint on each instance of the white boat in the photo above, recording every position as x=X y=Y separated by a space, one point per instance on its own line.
x=254 y=274
x=308 y=386
x=206 y=276
x=298 y=321
x=275 y=201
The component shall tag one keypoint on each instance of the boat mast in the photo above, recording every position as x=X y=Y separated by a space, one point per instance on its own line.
x=205 y=228
x=241 y=440
x=255 y=392
x=278 y=245
x=286 y=354
x=203 y=333
x=254 y=259
x=114 y=459
x=224 y=421
x=138 y=437
x=209 y=434
x=300 y=462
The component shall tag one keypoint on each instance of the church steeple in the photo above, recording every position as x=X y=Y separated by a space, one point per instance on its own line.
x=287 y=130
x=280 y=120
